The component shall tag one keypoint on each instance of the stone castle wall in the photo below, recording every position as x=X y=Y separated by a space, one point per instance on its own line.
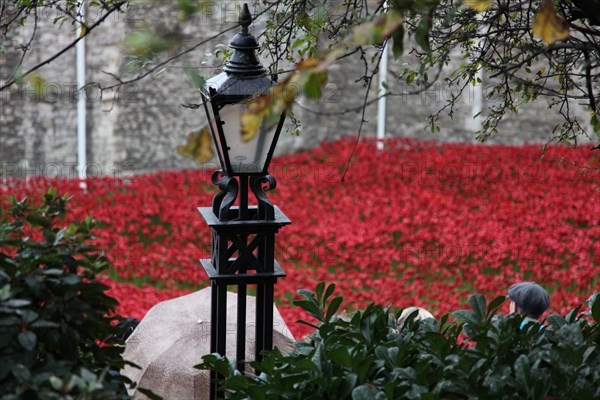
x=138 y=127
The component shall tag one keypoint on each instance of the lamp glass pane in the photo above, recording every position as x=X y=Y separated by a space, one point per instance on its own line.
x=215 y=133
x=246 y=155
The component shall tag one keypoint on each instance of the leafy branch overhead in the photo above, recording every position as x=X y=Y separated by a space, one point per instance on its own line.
x=519 y=51
x=308 y=78
x=263 y=111
x=498 y=37
x=17 y=15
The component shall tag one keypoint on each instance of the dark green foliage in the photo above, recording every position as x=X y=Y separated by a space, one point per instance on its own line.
x=56 y=338
x=473 y=354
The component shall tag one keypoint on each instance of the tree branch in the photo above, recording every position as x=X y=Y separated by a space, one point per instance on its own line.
x=12 y=80
x=588 y=80
x=121 y=82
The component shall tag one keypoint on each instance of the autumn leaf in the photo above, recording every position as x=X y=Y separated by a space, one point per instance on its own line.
x=253 y=117
x=478 y=5
x=84 y=30
x=548 y=25
x=263 y=107
x=375 y=32
x=309 y=77
x=37 y=83
x=198 y=146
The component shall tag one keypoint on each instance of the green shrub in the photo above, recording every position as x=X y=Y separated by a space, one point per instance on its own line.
x=471 y=354
x=57 y=338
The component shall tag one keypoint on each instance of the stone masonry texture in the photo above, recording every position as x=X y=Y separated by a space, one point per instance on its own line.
x=136 y=128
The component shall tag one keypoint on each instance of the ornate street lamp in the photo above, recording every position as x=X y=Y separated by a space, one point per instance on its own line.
x=225 y=97
x=243 y=236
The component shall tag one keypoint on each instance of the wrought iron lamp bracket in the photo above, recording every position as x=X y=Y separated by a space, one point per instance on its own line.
x=224 y=199
x=259 y=186
x=229 y=187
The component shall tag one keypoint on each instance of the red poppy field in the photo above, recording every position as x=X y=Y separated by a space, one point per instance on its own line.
x=416 y=224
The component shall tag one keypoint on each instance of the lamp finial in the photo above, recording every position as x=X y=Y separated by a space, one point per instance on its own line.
x=244 y=61
x=245 y=18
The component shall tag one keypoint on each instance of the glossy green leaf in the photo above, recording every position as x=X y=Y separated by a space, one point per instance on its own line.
x=477 y=303
x=466 y=316
x=340 y=355
x=21 y=372
x=16 y=303
x=334 y=305
x=398 y=42
x=329 y=291
x=495 y=305
x=362 y=392
x=595 y=309
x=422 y=35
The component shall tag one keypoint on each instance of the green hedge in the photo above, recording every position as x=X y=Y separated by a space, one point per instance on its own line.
x=469 y=354
x=57 y=339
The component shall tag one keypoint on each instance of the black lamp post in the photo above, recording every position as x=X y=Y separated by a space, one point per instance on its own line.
x=243 y=236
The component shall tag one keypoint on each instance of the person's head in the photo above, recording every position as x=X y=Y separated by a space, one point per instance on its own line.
x=421 y=314
x=529 y=298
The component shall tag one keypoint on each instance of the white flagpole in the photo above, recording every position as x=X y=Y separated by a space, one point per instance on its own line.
x=81 y=100
x=381 y=103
